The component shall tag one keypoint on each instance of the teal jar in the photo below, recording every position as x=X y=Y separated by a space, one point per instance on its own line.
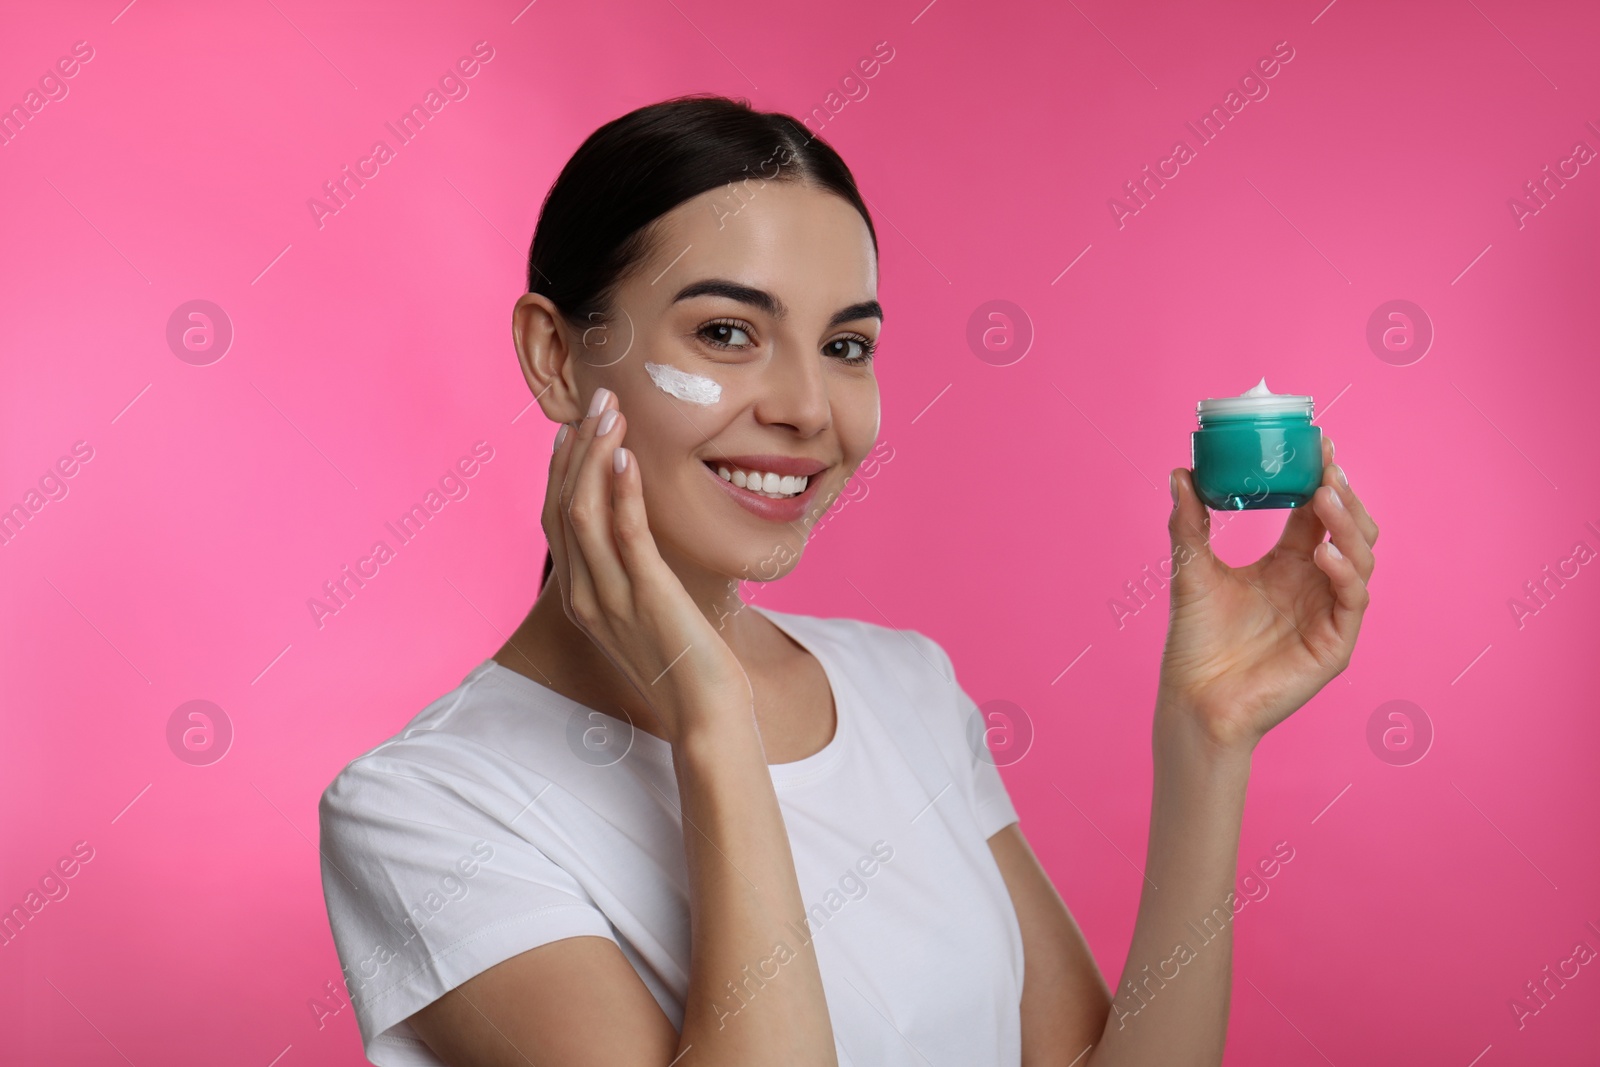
x=1256 y=450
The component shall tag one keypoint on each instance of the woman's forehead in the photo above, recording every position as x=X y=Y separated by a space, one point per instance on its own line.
x=806 y=246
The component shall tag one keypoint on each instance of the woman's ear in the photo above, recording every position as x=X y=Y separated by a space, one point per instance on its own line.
x=545 y=354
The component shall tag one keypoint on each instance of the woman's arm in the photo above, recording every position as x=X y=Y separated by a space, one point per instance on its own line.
x=1171 y=1004
x=1245 y=648
x=1064 y=997
x=755 y=990
x=579 y=1003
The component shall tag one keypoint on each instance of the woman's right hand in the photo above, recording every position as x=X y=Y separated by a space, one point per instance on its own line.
x=617 y=589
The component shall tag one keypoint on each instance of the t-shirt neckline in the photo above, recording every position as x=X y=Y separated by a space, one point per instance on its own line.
x=659 y=750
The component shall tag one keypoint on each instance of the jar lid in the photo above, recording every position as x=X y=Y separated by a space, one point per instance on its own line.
x=1257 y=400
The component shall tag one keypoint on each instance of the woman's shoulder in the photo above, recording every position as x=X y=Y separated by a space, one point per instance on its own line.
x=873 y=645
x=444 y=745
x=905 y=677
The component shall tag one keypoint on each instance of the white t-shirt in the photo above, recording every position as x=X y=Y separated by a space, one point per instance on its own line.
x=505 y=816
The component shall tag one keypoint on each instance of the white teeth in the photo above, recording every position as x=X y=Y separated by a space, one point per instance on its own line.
x=765 y=482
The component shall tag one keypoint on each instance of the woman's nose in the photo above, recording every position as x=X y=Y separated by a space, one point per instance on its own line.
x=794 y=394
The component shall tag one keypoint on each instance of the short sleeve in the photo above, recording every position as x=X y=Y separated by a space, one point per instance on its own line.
x=994 y=807
x=991 y=803
x=424 y=890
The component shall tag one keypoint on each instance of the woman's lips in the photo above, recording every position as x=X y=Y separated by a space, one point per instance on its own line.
x=789 y=509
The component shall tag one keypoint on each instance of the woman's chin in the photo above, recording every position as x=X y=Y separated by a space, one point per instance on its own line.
x=763 y=561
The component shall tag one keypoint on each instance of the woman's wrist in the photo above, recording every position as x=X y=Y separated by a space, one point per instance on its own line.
x=1185 y=733
x=690 y=710
x=717 y=737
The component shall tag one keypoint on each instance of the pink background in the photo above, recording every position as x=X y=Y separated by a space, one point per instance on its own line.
x=369 y=354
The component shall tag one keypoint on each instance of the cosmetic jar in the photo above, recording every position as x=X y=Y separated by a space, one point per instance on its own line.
x=1256 y=450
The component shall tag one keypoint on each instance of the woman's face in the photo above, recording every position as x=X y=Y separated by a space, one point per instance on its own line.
x=769 y=302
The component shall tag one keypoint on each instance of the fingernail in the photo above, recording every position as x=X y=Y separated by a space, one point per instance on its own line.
x=1333 y=550
x=561 y=435
x=598 y=401
x=608 y=420
x=1338 y=501
x=619 y=460
x=1338 y=472
x=1172 y=484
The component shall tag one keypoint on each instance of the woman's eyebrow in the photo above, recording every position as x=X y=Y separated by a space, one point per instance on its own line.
x=771 y=305
x=867 y=309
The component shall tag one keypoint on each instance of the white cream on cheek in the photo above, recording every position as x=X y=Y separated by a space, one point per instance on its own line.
x=694 y=388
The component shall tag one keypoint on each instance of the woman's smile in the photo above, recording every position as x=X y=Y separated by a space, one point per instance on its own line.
x=776 y=488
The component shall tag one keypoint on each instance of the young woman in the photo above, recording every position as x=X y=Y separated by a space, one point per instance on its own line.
x=661 y=826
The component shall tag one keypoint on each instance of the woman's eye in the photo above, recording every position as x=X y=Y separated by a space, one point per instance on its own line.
x=850 y=349
x=725 y=335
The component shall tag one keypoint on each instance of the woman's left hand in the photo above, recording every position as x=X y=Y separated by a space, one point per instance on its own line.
x=1247 y=646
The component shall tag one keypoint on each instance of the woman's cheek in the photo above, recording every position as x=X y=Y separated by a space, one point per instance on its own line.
x=858 y=418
